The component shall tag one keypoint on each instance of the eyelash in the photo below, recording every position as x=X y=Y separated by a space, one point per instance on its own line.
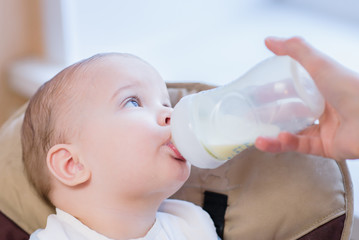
x=137 y=99
x=133 y=98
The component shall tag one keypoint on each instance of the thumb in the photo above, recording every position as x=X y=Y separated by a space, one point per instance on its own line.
x=324 y=71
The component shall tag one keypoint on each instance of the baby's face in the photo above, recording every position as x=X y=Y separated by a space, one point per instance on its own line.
x=124 y=132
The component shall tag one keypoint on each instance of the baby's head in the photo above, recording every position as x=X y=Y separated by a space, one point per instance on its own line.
x=102 y=126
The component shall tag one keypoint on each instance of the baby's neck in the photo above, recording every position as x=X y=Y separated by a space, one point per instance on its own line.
x=126 y=220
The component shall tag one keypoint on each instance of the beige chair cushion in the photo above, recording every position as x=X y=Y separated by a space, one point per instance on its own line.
x=270 y=196
x=18 y=199
x=275 y=196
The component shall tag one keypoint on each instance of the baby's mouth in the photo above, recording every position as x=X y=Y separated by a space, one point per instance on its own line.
x=178 y=155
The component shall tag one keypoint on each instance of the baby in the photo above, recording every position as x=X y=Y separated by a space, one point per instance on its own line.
x=97 y=145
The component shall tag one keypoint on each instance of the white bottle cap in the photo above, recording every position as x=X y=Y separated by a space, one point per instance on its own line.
x=184 y=137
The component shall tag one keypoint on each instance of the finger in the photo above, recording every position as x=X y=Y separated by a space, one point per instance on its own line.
x=301 y=144
x=285 y=142
x=297 y=48
x=324 y=70
x=268 y=145
x=288 y=142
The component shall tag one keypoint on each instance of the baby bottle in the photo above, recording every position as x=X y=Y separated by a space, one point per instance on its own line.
x=211 y=127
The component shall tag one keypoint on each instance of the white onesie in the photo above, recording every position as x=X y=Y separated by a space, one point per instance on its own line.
x=175 y=219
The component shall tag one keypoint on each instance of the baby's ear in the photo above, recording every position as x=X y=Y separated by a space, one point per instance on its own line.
x=65 y=166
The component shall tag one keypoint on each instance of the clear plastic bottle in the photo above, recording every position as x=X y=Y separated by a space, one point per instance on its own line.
x=213 y=126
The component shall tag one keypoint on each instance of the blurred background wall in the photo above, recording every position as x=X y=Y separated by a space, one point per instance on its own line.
x=20 y=36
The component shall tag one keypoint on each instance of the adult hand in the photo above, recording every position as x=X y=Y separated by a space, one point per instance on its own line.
x=337 y=134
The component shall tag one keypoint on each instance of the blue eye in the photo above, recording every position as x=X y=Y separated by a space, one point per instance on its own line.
x=132 y=102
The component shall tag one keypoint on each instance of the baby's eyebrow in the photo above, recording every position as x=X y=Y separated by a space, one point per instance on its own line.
x=120 y=89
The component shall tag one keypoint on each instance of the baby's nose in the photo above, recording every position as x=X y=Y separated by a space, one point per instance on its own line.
x=168 y=120
x=164 y=118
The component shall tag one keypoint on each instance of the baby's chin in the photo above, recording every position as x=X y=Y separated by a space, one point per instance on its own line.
x=185 y=173
x=175 y=187
x=181 y=182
